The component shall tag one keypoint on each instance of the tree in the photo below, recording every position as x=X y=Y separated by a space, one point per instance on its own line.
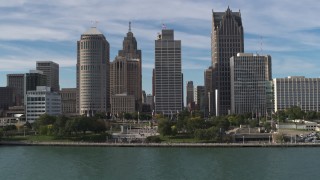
x=59 y=126
x=164 y=127
x=44 y=120
x=195 y=123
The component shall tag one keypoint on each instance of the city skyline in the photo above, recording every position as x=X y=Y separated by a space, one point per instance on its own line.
x=48 y=31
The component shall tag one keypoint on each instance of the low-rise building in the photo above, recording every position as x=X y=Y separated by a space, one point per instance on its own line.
x=68 y=101
x=42 y=101
x=122 y=103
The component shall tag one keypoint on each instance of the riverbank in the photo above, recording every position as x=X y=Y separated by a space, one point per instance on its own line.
x=204 y=145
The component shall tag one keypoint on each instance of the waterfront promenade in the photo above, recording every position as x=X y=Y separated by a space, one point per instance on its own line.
x=204 y=145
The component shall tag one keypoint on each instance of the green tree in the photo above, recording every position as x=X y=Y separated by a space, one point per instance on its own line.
x=295 y=112
x=195 y=123
x=164 y=126
x=59 y=126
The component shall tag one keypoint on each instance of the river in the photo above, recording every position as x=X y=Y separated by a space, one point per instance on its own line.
x=33 y=162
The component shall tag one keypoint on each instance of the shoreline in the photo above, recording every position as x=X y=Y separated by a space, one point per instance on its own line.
x=185 y=145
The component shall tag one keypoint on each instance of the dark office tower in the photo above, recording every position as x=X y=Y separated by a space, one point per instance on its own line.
x=51 y=70
x=93 y=73
x=133 y=55
x=33 y=79
x=7 y=98
x=226 y=41
x=16 y=81
x=190 y=92
x=168 y=76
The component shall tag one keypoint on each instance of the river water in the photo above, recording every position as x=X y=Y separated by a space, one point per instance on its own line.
x=31 y=162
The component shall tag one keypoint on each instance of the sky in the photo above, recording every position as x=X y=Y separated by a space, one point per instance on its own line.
x=46 y=30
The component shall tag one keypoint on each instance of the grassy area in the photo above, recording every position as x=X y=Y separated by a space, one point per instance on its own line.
x=182 y=139
x=45 y=138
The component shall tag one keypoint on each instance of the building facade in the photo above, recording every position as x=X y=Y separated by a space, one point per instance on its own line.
x=199 y=98
x=68 y=101
x=93 y=73
x=297 y=91
x=250 y=75
x=226 y=41
x=33 y=79
x=51 y=70
x=16 y=81
x=7 y=98
x=190 y=92
x=208 y=107
x=168 y=77
x=42 y=101
x=122 y=103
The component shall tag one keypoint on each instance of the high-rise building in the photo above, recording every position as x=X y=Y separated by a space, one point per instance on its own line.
x=226 y=41
x=208 y=92
x=51 y=70
x=42 y=101
x=33 y=79
x=190 y=93
x=7 y=98
x=133 y=55
x=250 y=75
x=93 y=84
x=297 y=91
x=123 y=75
x=16 y=81
x=144 y=97
x=68 y=101
x=199 y=97
x=168 y=76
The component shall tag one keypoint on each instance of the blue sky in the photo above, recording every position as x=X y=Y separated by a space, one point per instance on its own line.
x=32 y=30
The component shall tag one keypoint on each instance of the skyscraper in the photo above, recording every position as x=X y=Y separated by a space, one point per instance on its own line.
x=250 y=75
x=167 y=74
x=190 y=92
x=226 y=41
x=17 y=82
x=93 y=73
x=51 y=70
x=131 y=52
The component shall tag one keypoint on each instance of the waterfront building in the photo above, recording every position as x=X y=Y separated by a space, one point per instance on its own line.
x=93 y=73
x=250 y=75
x=51 y=70
x=226 y=41
x=297 y=91
x=68 y=101
x=122 y=103
x=168 y=78
x=16 y=81
x=42 y=101
x=190 y=92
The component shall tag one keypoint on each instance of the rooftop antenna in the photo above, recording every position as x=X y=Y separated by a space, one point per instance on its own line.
x=261 y=50
x=129 y=26
x=94 y=24
x=164 y=26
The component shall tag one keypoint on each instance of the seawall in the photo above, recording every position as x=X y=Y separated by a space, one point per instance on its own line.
x=198 y=145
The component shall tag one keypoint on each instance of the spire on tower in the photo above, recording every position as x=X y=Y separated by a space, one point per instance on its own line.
x=129 y=26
